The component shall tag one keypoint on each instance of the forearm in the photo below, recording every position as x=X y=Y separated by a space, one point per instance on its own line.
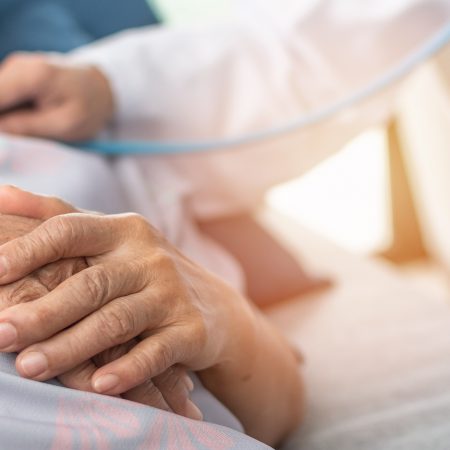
x=154 y=103
x=260 y=380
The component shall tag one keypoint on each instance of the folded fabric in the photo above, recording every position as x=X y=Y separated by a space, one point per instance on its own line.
x=43 y=416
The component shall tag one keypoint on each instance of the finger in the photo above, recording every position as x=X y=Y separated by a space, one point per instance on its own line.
x=176 y=386
x=71 y=301
x=66 y=236
x=22 y=291
x=147 y=393
x=40 y=283
x=21 y=78
x=148 y=359
x=54 y=274
x=18 y=202
x=79 y=377
x=15 y=201
x=116 y=323
x=45 y=122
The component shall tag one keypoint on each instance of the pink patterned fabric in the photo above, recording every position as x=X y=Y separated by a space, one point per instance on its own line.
x=94 y=423
x=47 y=416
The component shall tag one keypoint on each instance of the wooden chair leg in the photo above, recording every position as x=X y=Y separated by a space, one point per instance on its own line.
x=407 y=243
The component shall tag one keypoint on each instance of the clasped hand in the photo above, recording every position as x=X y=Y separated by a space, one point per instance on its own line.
x=135 y=287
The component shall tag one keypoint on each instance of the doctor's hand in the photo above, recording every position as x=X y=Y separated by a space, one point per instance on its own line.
x=39 y=97
x=170 y=391
x=136 y=286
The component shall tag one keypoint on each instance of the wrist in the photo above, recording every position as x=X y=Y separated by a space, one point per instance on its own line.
x=106 y=95
x=240 y=344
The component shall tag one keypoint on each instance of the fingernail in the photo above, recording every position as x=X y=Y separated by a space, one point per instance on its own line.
x=192 y=411
x=189 y=383
x=8 y=335
x=33 y=364
x=2 y=266
x=106 y=383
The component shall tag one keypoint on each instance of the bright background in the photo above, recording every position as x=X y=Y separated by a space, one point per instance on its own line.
x=345 y=198
x=348 y=197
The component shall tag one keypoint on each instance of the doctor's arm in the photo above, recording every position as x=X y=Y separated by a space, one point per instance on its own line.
x=220 y=80
x=163 y=82
x=213 y=82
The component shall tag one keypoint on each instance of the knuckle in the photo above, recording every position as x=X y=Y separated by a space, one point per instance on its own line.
x=164 y=261
x=198 y=329
x=28 y=247
x=199 y=334
x=151 y=390
x=24 y=291
x=150 y=394
x=147 y=364
x=196 y=337
x=117 y=323
x=38 y=317
x=61 y=233
x=95 y=284
x=60 y=225
x=163 y=355
x=136 y=279
x=113 y=353
x=141 y=364
x=54 y=274
x=136 y=220
x=78 y=378
x=169 y=379
x=61 y=205
x=137 y=224
x=54 y=232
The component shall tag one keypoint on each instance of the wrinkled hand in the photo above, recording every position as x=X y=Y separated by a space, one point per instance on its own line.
x=136 y=286
x=169 y=391
x=67 y=103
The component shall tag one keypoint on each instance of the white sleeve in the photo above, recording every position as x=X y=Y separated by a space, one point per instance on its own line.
x=227 y=80
x=193 y=83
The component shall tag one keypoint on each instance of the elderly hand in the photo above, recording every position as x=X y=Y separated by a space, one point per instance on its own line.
x=136 y=286
x=67 y=103
x=169 y=391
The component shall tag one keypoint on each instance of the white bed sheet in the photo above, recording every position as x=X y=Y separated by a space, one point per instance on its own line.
x=377 y=354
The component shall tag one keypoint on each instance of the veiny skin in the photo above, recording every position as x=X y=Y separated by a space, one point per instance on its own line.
x=170 y=391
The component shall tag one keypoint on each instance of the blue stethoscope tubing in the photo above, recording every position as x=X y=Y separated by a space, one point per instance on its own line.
x=111 y=147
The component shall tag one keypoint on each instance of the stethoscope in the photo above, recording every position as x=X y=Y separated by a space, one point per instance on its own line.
x=110 y=147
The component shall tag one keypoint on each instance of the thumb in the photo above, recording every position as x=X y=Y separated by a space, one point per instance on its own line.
x=15 y=201
x=46 y=123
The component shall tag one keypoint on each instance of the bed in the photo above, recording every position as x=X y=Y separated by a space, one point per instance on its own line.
x=376 y=348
